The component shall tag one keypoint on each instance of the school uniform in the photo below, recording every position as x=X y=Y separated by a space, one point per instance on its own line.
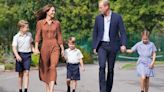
x=145 y=58
x=73 y=60
x=23 y=44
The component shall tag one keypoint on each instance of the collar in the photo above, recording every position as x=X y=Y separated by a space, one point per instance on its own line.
x=109 y=16
x=20 y=34
x=44 y=21
x=72 y=50
x=147 y=43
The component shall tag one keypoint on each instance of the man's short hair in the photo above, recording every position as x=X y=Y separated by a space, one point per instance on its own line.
x=105 y=2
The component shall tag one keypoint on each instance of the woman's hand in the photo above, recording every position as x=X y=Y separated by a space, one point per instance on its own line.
x=36 y=51
x=62 y=52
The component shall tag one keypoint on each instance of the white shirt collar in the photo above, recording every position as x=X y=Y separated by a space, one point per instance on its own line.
x=109 y=16
x=20 y=34
x=72 y=50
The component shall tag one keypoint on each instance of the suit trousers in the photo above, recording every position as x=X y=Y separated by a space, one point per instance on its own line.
x=106 y=54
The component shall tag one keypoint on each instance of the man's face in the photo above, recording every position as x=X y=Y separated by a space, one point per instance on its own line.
x=103 y=8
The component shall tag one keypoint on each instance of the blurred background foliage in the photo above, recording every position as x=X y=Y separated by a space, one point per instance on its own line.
x=77 y=19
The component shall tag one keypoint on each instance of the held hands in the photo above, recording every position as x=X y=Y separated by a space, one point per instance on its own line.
x=123 y=49
x=36 y=51
x=62 y=53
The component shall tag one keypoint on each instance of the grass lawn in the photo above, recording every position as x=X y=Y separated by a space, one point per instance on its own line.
x=132 y=65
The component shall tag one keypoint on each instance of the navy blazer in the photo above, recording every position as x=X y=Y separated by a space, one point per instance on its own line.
x=117 y=32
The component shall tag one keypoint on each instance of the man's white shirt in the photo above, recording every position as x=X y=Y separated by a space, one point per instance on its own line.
x=107 y=21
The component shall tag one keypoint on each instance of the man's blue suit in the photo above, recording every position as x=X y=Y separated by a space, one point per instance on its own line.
x=107 y=51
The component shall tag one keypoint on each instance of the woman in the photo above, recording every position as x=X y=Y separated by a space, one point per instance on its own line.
x=49 y=30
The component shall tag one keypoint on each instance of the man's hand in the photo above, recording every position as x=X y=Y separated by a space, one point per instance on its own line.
x=94 y=51
x=123 y=48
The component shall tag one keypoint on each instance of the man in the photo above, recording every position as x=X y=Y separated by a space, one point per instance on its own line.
x=108 y=36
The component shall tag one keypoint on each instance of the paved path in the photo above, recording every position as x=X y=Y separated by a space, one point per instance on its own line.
x=124 y=80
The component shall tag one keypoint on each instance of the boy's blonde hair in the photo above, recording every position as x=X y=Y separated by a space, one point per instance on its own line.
x=22 y=23
x=72 y=40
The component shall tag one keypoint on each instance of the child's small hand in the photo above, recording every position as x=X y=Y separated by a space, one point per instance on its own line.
x=62 y=53
x=33 y=50
x=82 y=68
x=36 y=51
x=151 y=66
x=18 y=58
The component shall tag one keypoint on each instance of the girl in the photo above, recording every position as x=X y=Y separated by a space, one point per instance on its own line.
x=145 y=65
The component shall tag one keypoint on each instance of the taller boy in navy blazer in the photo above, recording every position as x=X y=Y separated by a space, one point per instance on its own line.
x=109 y=36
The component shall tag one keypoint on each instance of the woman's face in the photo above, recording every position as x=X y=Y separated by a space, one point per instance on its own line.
x=51 y=12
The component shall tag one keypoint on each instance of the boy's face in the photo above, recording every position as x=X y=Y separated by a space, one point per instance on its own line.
x=145 y=39
x=24 y=28
x=71 y=45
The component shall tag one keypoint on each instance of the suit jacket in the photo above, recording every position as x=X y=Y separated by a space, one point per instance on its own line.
x=117 y=32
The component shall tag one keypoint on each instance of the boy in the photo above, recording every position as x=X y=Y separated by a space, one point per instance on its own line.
x=73 y=57
x=22 y=48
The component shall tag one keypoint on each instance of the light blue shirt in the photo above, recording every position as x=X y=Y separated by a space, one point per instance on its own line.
x=144 y=50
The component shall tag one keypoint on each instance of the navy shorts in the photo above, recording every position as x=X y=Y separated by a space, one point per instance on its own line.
x=73 y=72
x=25 y=63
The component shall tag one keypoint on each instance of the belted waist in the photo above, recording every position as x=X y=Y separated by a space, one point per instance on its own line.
x=104 y=42
x=145 y=57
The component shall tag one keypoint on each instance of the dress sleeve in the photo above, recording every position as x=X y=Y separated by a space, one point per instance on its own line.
x=154 y=48
x=59 y=34
x=134 y=48
x=38 y=32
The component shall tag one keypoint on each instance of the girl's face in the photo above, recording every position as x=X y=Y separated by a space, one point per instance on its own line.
x=71 y=45
x=145 y=39
x=51 y=12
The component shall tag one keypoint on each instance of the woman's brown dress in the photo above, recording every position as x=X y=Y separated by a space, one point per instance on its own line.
x=50 y=49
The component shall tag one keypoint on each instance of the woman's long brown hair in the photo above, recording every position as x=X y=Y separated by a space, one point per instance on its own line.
x=42 y=13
